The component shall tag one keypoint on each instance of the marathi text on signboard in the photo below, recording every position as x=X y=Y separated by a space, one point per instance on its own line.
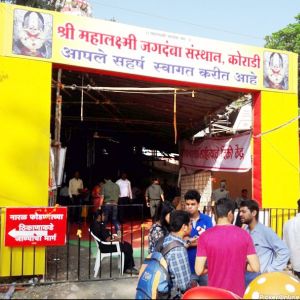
x=35 y=226
x=113 y=47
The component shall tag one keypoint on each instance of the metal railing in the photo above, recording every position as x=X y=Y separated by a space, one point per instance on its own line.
x=276 y=217
x=75 y=260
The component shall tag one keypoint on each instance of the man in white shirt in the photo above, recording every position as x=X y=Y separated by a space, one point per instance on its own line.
x=220 y=193
x=125 y=197
x=75 y=189
x=291 y=235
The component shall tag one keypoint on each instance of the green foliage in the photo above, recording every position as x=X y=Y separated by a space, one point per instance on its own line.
x=287 y=38
x=43 y=4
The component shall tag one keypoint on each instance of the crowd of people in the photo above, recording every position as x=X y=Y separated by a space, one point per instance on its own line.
x=115 y=197
x=225 y=246
x=229 y=253
x=120 y=199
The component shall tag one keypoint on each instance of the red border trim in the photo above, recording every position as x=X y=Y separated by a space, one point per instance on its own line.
x=256 y=173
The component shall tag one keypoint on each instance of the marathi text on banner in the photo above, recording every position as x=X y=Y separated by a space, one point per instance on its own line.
x=101 y=45
x=230 y=154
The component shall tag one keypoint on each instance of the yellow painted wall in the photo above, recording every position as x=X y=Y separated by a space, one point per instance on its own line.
x=280 y=150
x=25 y=99
x=25 y=94
x=2 y=32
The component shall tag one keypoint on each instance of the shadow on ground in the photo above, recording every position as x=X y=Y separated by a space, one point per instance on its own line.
x=70 y=275
x=123 y=288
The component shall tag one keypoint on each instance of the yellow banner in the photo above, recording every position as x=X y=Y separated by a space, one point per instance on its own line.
x=110 y=46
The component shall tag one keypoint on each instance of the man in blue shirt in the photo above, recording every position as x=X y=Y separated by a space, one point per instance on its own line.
x=272 y=252
x=200 y=223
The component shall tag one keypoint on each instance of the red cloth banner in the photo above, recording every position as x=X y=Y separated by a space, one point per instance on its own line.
x=230 y=154
x=35 y=226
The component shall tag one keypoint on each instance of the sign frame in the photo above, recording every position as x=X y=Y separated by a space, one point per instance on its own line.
x=35 y=226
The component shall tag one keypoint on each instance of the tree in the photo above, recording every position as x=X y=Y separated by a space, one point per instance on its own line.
x=287 y=39
x=43 y=4
x=77 y=7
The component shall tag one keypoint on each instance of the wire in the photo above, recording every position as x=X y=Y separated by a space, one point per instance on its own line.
x=151 y=93
x=180 y=21
x=276 y=128
x=134 y=89
x=131 y=90
x=162 y=91
x=105 y=88
x=283 y=156
x=274 y=148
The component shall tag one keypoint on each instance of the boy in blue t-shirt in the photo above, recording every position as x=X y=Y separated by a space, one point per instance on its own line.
x=200 y=223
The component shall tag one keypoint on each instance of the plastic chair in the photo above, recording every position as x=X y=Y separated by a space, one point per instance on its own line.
x=100 y=255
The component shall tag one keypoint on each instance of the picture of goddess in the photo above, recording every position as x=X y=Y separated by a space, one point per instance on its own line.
x=276 y=70
x=32 y=34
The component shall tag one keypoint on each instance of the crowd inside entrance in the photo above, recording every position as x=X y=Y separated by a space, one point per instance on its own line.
x=229 y=225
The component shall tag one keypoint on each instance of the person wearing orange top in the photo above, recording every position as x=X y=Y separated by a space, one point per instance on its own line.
x=96 y=196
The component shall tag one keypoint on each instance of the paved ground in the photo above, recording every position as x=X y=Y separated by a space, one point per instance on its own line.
x=122 y=287
x=106 y=289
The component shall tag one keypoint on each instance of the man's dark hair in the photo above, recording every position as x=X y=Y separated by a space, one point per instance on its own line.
x=107 y=176
x=298 y=202
x=244 y=190
x=160 y=214
x=177 y=219
x=223 y=206
x=98 y=213
x=167 y=208
x=252 y=206
x=192 y=194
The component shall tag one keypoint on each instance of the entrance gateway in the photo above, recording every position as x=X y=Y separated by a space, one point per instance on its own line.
x=212 y=73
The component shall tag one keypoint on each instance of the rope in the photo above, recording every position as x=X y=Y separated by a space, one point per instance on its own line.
x=156 y=90
x=161 y=91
